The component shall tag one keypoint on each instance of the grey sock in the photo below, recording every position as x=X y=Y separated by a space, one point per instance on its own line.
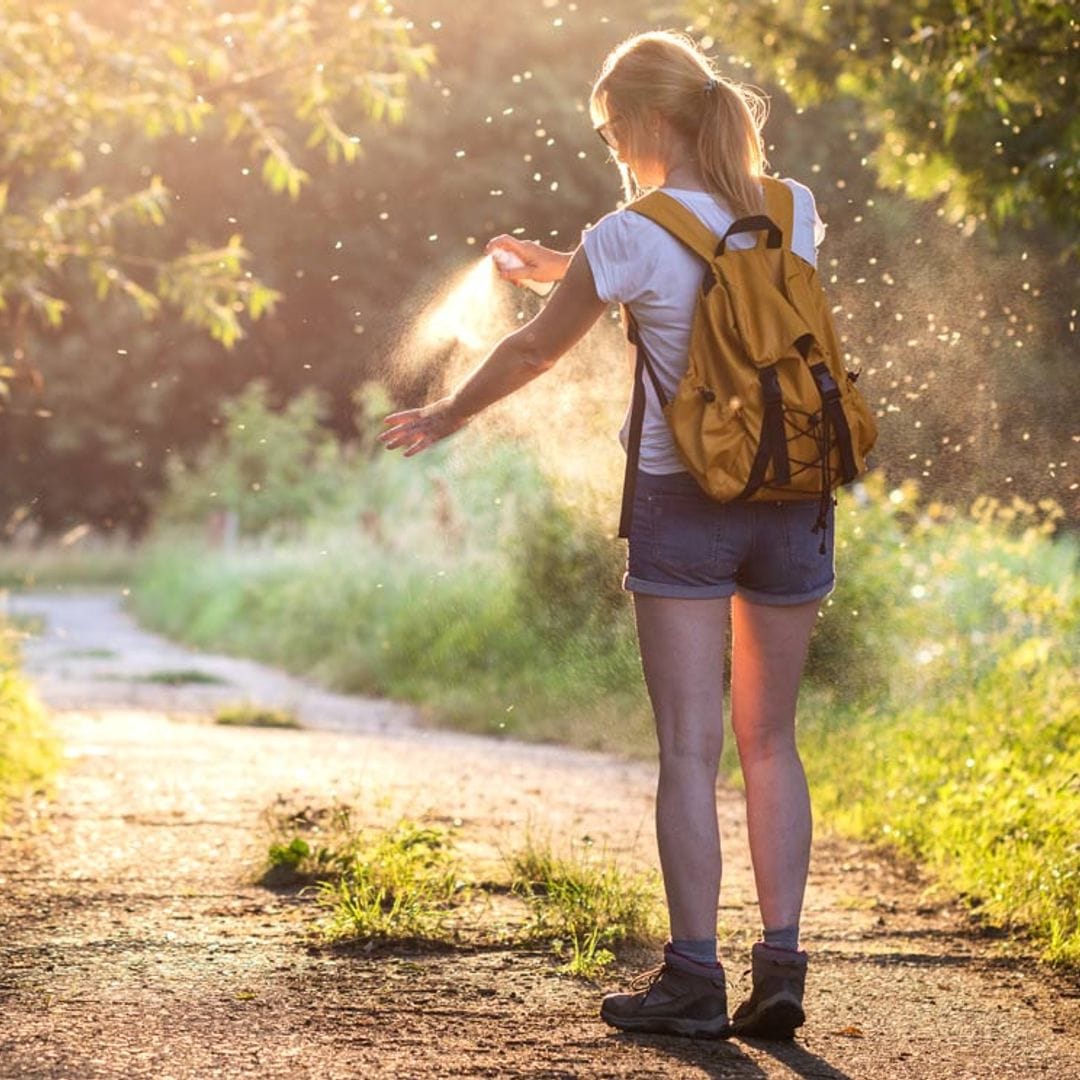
x=702 y=952
x=787 y=937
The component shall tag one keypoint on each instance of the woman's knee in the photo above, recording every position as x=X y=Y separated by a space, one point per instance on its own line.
x=684 y=749
x=758 y=741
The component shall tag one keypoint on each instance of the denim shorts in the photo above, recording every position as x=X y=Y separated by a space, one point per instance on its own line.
x=684 y=544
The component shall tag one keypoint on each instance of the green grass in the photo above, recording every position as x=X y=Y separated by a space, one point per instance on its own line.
x=584 y=905
x=403 y=884
x=984 y=788
x=456 y=639
x=29 y=755
x=408 y=883
x=969 y=759
x=82 y=563
x=374 y=885
x=260 y=716
x=183 y=677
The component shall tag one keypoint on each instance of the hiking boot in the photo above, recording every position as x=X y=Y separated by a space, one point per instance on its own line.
x=774 y=1009
x=680 y=997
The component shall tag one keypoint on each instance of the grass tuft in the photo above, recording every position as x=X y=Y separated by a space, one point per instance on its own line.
x=185 y=677
x=583 y=905
x=28 y=750
x=400 y=884
x=407 y=883
x=395 y=884
x=259 y=716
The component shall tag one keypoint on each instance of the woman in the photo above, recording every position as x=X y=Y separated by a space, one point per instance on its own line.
x=695 y=566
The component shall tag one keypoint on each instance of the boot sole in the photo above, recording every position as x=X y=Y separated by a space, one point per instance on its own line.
x=776 y=1019
x=656 y=1025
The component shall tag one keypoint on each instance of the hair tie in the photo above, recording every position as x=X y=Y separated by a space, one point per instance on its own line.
x=710 y=86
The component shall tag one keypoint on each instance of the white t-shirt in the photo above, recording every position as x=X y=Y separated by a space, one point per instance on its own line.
x=636 y=262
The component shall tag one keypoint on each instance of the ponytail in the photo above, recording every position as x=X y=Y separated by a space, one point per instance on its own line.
x=730 y=153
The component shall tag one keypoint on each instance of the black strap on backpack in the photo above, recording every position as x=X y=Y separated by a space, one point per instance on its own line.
x=642 y=364
x=834 y=425
x=772 y=449
x=834 y=410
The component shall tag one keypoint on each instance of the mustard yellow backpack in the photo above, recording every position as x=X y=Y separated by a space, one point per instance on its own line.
x=766 y=409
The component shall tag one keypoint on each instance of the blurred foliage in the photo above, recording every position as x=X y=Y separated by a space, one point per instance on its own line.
x=568 y=573
x=973 y=102
x=976 y=769
x=28 y=750
x=922 y=607
x=270 y=470
x=73 y=84
x=89 y=100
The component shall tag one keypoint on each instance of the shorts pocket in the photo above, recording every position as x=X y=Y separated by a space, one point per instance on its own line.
x=683 y=530
x=807 y=567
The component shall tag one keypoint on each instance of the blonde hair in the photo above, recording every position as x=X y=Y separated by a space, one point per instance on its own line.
x=664 y=72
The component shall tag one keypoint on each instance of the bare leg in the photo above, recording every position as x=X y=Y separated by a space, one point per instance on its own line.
x=768 y=654
x=682 y=653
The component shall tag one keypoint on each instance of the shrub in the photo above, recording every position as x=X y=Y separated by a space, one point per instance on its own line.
x=28 y=751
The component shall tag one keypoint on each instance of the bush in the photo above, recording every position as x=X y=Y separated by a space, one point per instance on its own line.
x=567 y=573
x=270 y=469
x=971 y=763
x=28 y=753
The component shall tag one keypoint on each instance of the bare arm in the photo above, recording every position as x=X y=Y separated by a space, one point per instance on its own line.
x=515 y=361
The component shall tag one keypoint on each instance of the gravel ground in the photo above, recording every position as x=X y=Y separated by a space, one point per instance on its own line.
x=134 y=943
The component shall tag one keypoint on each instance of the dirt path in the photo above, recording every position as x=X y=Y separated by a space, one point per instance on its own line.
x=132 y=943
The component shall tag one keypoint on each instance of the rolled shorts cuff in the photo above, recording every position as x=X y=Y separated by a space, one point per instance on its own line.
x=752 y=596
x=677 y=592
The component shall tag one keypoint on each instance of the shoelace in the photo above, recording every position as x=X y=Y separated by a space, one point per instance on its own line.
x=647 y=979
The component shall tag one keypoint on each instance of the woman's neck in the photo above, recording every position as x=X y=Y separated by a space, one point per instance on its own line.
x=686 y=177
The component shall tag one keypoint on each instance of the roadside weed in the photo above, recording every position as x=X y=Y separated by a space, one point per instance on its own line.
x=406 y=882
x=582 y=904
x=184 y=677
x=308 y=846
x=255 y=716
x=403 y=883
x=29 y=754
x=587 y=959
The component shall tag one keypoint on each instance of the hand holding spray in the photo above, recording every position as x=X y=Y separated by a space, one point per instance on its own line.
x=507 y=260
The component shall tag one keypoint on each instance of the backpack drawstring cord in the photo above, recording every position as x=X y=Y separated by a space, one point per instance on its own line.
x=822 y=523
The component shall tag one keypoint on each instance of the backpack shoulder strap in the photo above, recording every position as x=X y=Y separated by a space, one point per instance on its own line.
x=685 y=225
x=780 y=206
x=682 y=223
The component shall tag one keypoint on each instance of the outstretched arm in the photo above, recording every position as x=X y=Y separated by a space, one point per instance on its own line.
x=518 y=359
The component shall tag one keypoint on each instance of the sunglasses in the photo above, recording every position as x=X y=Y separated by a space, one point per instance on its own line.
x=606 y=137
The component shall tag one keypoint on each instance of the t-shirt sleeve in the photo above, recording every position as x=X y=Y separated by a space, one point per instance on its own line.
x=620 y=255
x=808 y=229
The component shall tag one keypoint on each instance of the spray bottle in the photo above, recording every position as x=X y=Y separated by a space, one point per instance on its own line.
x=507 y=260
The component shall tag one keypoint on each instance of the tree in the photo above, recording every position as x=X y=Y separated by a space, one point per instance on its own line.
x=352 y=259
x=77 y=90
x=972 y=102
